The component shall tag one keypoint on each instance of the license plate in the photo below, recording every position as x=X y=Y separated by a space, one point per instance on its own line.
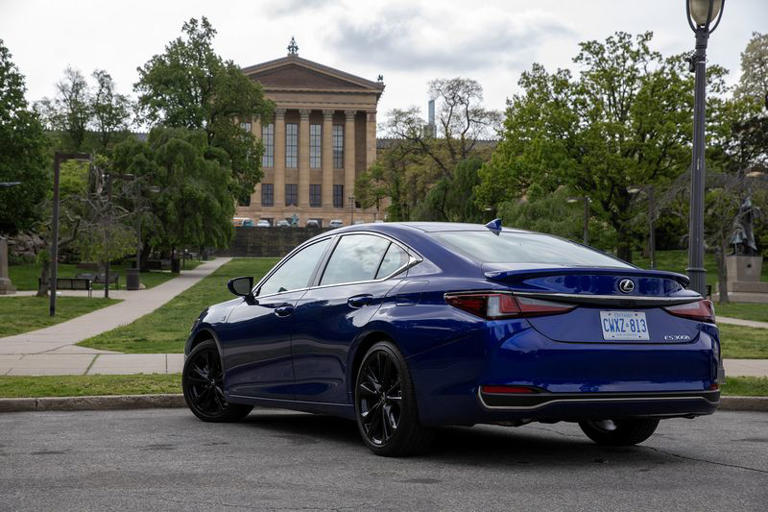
x=624 y=325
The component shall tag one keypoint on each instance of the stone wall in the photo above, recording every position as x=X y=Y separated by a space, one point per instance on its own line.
x=255 y=241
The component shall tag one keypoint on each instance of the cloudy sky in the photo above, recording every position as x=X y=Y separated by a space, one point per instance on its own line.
x=409 y=42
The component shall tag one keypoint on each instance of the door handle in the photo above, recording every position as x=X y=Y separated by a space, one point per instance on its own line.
x=359 y=301
x=284 y=310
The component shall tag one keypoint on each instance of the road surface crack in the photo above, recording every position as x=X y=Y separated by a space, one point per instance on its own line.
x=724 y=464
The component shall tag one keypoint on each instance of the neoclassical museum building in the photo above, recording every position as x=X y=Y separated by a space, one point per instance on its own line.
x=322 y=135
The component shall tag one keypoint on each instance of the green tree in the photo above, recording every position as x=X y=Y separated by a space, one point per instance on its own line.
x=625 y=120
x=69 y=112
x=754 y=70
x=111 y=111
x=22 y=153
x=191 y=86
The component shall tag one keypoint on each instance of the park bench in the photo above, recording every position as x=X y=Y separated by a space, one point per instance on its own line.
x=114 y=278
x=72 y=283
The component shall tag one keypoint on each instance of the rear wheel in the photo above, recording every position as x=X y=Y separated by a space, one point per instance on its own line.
x=624 y=432
x=385 y=404
x=202 y=381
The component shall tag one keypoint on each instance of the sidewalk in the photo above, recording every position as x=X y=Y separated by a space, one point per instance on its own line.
x=744 y=323
x=60 y=339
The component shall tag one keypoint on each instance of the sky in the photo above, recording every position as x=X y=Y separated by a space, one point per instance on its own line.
x=408 y=42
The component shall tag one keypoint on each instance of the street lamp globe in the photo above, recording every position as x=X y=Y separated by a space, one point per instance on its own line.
x=704 y=12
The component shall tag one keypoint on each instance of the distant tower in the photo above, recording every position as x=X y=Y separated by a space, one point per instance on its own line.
x=431 y=118
x=293 y=48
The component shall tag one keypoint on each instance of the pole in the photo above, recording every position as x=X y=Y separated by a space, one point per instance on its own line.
x=696 y=270
x=651 y=225
x=57 y=158
x=352 y=209
x=586 y=220
x=108 y=178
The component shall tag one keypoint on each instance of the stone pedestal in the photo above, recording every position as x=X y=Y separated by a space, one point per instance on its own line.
x=6 y=287
x=744 y=268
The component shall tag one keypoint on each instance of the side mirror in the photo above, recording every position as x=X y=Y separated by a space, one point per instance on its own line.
x=242 y=287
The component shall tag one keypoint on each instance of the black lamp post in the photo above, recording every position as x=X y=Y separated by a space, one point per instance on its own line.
x=703 y=17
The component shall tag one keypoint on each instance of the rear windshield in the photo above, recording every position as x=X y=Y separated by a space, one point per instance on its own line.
x=486 y=247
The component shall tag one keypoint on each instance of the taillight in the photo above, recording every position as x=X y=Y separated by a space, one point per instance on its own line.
x=701 y=310
x=511 y=390
x=494 y=306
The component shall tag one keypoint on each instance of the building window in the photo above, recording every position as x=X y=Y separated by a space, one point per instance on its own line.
x=338 y=196
x=314 y=195
x=268 y=139
x=338 y=146
x=267 y=194
x=244 y=201
x=315 y=143
x=245 y=125
x=291 y=145
x=291 y=194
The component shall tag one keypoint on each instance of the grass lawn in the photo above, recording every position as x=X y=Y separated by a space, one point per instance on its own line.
x=24 y=277
x=744 y=310
x=166 y=329
x=743 y=342
x=745 y=386
x=23 y=314
x=88 y=385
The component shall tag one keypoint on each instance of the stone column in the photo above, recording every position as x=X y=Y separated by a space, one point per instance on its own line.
x=349 y=161
x=279 y=188
x=6 y=287
x=303 y=158
x=370 y=138
x=327 y=159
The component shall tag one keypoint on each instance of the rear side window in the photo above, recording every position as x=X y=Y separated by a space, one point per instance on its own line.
x=486 y=247
x=294 y=274
x=355 y=258
x=394 y=259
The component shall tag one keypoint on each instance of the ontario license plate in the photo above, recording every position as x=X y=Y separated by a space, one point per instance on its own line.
x=624 y=325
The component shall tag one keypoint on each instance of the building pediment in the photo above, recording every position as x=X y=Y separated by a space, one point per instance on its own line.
x=293 y=72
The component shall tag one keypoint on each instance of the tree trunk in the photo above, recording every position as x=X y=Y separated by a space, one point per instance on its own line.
x=623 y=244
x=722 y=272
x=45 y=277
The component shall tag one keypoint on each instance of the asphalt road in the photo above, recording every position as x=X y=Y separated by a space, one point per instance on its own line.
x=275 y=460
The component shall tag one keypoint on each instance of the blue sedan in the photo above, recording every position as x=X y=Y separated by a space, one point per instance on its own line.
x=403 y=327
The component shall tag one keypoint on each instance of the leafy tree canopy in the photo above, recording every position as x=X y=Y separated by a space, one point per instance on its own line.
x=22 y=152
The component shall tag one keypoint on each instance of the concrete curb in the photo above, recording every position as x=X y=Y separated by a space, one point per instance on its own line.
x=115 y=402
x=92 y=403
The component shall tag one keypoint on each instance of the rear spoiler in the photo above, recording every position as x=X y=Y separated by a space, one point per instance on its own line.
x=517 y=275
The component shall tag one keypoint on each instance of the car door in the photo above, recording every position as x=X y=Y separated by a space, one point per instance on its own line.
x=329 y=316
x=256 y=344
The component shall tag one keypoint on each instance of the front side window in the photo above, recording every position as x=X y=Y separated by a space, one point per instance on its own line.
x=355 y=258
x=295 y=273
x=291 y=145
x=315 y=144
x=268 y=139
x=338 y=146
x=291 y=194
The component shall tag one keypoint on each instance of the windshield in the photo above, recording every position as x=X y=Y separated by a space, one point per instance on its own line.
x=486 y=247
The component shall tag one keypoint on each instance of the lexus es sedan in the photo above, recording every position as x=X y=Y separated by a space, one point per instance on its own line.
x=403 y=327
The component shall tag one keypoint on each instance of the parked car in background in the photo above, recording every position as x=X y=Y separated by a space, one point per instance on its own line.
x=313 y=223
x=336 y=223
x=242 y=222
x=263 y=223
x=403 y=327
x=282 y=223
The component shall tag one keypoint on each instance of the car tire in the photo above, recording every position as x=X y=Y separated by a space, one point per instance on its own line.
x=202 y=382
x=623 y=432
x=385 y=404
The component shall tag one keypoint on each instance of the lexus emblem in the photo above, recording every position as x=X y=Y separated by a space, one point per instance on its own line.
x=626 y=285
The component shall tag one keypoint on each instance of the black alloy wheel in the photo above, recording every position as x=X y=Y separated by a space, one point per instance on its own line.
x=203 y=384
x=620 y=432
x=385 y=404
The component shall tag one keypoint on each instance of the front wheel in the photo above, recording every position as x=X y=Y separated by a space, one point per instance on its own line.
x=202 y=381
x=624 y=432
x=385 y=404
